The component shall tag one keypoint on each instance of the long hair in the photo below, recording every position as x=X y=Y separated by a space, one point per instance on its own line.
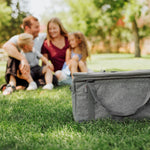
x=57 y=21
x=83 y=46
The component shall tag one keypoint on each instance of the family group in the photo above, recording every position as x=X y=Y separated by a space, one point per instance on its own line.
x=43 y=59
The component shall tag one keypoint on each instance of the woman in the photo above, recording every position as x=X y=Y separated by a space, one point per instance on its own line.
x=55 y=46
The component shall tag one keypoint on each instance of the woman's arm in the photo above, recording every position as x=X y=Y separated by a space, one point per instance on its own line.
x=47 y=63
x=68 y=56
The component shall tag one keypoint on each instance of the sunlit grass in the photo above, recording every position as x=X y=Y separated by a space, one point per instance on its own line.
x=118 y=62
x=43 y=120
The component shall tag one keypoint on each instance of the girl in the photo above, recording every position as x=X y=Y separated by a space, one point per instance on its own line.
x=76 y=56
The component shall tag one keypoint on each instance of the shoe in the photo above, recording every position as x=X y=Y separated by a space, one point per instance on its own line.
x=9 y=89
x=3 y=87
x=32 y=86
x=48 y=86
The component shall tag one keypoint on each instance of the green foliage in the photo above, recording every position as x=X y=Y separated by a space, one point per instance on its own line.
x=11 y=19
x=5 y=18
x=81 y=17
x=133 y=10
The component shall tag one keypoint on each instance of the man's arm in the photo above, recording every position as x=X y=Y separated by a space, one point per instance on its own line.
x=12 y=51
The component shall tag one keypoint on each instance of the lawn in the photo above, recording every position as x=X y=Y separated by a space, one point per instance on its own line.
x=43 y=120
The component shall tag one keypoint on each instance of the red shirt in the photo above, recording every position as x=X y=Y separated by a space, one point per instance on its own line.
x=55 y=54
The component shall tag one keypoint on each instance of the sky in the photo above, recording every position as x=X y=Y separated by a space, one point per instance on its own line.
x=38 y=7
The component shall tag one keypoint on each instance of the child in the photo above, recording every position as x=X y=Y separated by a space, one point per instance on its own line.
x=76 y=56
x=25 y=43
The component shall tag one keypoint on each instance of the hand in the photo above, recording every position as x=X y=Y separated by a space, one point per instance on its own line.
x=24 y=76
x=50 y=66
x=24 y=66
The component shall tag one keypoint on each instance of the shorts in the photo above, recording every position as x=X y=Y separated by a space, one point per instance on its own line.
x=11 y=69
x=13 y=66
x=67 y=79
x=36 y=72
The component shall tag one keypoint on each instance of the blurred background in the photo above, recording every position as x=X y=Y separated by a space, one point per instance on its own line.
x=111 y=26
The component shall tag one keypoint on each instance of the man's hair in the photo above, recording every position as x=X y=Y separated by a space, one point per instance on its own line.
x=24 y=39
x=27 y=21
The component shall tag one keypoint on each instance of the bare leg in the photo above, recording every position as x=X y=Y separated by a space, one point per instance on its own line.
x=12 y=80
x=60 y=75
x=25 y=76
x=82 y=66
x=11 y=86
x=48 y=74
x=48 y=78
x=73 y=67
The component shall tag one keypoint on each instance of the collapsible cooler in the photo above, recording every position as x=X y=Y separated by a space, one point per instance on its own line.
x=111 y=95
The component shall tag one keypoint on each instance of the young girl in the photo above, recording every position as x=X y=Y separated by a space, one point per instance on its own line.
x=76 y=56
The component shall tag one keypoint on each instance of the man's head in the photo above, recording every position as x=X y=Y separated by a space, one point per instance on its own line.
x=31 y=25
x=25 y=42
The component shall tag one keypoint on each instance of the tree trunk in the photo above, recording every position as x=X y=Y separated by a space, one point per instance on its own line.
x=136 y=39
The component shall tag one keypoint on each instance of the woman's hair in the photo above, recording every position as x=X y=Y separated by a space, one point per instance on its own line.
x=57 y=21
x=82 y=44
x=27 y=21
x=24 y=39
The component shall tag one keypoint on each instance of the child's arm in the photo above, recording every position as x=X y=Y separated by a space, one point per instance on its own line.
x=45 y=61
x=68 y=56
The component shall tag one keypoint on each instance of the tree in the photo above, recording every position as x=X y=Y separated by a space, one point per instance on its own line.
x=11 y=18
x=100 y=19
x=80 y=16
x=131 y=10
x=5 y=18
x=17 y=15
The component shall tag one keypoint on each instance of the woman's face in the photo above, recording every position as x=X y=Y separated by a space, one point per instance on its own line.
x=54 y=30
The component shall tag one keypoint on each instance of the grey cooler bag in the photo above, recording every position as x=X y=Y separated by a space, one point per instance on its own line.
x=111 y=95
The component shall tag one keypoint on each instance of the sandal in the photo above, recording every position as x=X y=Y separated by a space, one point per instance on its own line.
x=3 y=87
x=9 y=89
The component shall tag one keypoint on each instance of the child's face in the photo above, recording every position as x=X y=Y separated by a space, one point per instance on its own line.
x=73 y=41
x=28 y=47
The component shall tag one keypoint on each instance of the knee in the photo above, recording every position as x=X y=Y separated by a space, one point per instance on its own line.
x=73 y=63
x=81 y=64
x=75 y=58
x=60 y=75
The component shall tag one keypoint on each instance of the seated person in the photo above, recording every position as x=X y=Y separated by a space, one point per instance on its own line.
x=17 y=61
x=76 y=56
x=25 y=43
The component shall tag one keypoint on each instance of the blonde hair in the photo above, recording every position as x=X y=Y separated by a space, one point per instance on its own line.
x=57 y=21
x=24 y=39
x=83 y=46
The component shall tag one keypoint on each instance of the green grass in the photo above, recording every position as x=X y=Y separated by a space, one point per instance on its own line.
x=118 y=62
x=43 y=120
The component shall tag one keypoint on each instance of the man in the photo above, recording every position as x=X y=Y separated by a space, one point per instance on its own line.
x=17 y=60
